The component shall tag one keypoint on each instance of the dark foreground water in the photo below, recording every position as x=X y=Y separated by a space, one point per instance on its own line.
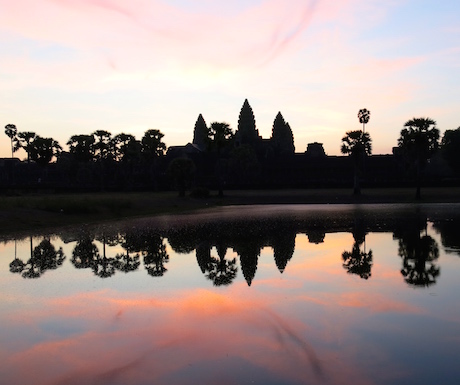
x=255 y=295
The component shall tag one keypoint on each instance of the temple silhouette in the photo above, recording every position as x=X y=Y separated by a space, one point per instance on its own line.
x=216 y=159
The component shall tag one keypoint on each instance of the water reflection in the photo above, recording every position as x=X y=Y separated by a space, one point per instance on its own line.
x=42 y=258
x=450 y=235
x=358 y=261
x=330 y=302
x=210 y=242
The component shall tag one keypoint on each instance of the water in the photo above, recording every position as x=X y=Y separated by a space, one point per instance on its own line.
x=329 y=294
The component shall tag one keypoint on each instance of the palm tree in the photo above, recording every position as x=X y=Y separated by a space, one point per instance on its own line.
x=152 y=148
x=126 y=147
x=24 y=140
x=220 y=135
x=152 y=145
x=43 y=150
x=357 y=144
x=450 y=148
x=11 y=132
x=364 y=115
x=82 y=147
x=101 y=147
x=419 y=140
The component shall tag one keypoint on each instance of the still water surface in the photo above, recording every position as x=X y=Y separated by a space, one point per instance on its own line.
x=328 y=294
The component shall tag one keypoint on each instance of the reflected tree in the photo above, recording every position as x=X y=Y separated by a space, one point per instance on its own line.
x=450 y=231
x=125 y=261
x=43 y=257
x=358 y=262
x=183 y=240
x=16 y=265
x=85 y=253
x=221 y=271
x=155 y=256
x=152 y=248
x=203 y=256
x=419 y=254
x=103 y=266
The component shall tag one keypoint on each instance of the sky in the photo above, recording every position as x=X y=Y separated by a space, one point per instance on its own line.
x=72 y=67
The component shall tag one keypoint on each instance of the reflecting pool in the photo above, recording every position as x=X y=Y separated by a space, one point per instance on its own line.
x=325 y=294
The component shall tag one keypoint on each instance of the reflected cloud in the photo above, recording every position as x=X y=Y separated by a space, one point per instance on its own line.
x=302 y=320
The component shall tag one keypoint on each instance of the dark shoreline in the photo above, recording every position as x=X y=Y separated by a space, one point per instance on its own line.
x=37 y=213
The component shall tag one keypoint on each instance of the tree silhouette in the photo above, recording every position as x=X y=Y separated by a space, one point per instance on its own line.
x=364 y=115
x=181 y=170
x=152 y=145
x=450 y=148
x=43 y=150
x=418 y=141
x=152 y=148
x=126 y=147
x=82 y=147
x=419 y=255
x=356 y=144
x=24 y=140
x=220 y=134
x=102 y=146
x=11 y=132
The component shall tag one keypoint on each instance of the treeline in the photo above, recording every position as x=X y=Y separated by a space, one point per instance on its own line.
x=220 y=158
x=96 y=161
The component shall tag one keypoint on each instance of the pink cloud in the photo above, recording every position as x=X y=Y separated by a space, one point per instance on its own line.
x=144 y=29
